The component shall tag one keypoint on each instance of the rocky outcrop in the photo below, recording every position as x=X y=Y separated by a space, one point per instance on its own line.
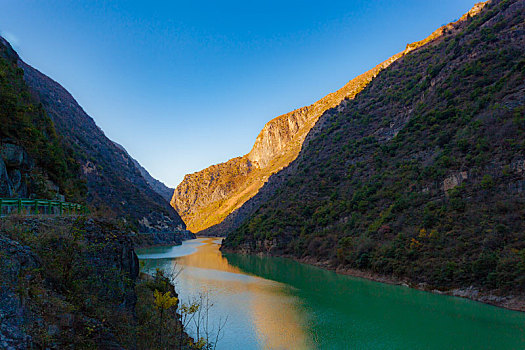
x=454 y=180
x=37 y=308
x=6 y=187
x=206 y=197
x=228 y=186
x=12 y=155
x=15 y=171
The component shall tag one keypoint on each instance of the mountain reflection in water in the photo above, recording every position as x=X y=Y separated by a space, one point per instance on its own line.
x=260 y=312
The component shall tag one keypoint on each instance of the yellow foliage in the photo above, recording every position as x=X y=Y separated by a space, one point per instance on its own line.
x=190 y=309
x=414 y=243
x=164 y=300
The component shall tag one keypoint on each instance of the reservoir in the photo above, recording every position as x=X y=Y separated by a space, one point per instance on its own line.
x=277 y=303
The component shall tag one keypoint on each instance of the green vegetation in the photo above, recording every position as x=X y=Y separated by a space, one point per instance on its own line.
x=24 y=121
x=159 y=324
x=421 y=175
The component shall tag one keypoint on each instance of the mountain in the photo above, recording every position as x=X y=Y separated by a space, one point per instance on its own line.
x=51 y=147
x=34 y=159
x=422 y=175
x=206 y=198
x=155 y=184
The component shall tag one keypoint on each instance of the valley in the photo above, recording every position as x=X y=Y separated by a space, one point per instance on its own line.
x=388 y=214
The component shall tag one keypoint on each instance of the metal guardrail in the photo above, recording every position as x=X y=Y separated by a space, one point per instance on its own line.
x=40 y=206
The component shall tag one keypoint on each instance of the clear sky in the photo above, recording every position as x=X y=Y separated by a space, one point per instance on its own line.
x=186 y=84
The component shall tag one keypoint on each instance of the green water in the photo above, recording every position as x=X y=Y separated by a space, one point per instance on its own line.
x=275 y=303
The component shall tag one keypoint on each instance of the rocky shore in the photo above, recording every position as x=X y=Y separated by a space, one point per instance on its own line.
x=66 y=281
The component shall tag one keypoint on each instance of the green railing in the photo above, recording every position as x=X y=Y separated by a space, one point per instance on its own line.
x=39 y=207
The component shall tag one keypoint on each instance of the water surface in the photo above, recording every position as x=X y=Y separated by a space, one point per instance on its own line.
x=276 y=303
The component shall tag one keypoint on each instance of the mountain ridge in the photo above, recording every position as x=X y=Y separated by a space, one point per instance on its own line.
x=81 y=162
x=207 y=198
x=421 y=177
x=156 y=185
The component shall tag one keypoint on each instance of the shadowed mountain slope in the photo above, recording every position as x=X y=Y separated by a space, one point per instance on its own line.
x=63 y=152
x=422 y=175
x=155 y=184
x=206 y=198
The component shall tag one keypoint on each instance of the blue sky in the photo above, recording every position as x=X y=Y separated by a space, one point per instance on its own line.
x=186 y=84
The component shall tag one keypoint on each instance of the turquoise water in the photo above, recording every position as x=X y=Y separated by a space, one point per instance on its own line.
x=276 y=303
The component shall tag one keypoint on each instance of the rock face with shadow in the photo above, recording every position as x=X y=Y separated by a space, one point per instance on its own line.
x=15 y=171
x=420 y=176
x=218 y=199
x=65 y=282
x=50 y=146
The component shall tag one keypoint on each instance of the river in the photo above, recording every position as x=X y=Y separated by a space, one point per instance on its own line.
x=277 y=303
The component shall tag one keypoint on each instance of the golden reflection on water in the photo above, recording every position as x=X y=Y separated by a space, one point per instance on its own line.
x=208 y=256
x=274 y=313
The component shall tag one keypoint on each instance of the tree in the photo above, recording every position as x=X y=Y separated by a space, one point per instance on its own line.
x=211 y=333
x=163 y=302
x=187 y=313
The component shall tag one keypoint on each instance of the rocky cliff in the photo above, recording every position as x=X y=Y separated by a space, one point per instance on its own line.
x=15 y=168
x=206 y=198
x=51 y=147
x=421 y=176
x=69 y=283
x=65 y=282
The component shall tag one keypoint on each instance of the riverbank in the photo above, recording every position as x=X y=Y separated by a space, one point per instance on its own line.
x=508 y=302
x=66 y=281
x=511 y=302
x=160 y=325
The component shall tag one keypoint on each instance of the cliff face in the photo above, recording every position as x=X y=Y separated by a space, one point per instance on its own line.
x=421 y=176
x=15 y=171
x=206 y=198
x=68 y=153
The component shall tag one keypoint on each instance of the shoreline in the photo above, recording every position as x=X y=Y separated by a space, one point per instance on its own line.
x=514 y=303
x=175 y=244
x=510 y=302
x=160 y=239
